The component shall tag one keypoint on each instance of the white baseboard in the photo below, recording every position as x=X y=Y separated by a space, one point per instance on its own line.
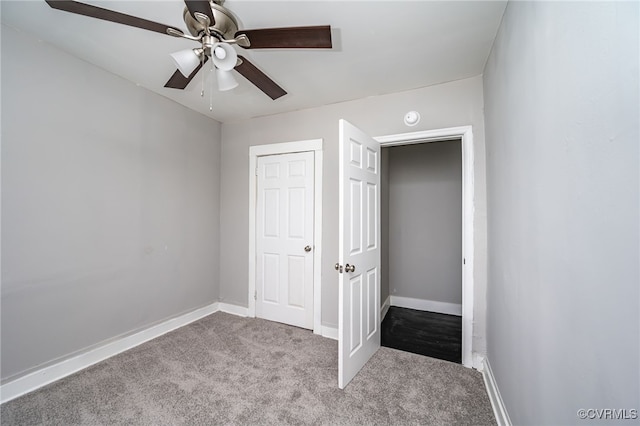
x=51 y=373
x=240 y=311
x=385 y=308
x=499 y=409
x=427 y=305
x=330 y=332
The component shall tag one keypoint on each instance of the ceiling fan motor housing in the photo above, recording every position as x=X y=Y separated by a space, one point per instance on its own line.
x=225 y=25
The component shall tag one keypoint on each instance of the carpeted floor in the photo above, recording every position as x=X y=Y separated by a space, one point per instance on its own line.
x=225 y=369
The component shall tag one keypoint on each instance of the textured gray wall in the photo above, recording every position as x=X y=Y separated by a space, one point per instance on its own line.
x=425 y=221
x=110 y=206
x=562 y=118
x=446 y=105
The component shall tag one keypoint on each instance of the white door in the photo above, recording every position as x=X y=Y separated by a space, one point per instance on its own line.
x=284 y=239
x=359 y=251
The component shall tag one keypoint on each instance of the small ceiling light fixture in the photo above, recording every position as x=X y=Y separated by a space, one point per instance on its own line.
x=187 y=60
x=224 y=56
x=411 y=118
x=226 y=81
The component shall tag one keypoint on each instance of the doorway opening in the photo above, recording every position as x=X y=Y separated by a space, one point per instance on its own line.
x=464 y=308
x=359 y=254
x=421 y=218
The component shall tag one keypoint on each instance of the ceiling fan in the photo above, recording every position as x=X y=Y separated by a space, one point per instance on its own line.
x=215 y=28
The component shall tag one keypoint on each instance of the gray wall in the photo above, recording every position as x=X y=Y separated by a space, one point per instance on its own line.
x=384 y=225
x=110 y=206
x=425 y=221
x=562 y=130
x=446 y=105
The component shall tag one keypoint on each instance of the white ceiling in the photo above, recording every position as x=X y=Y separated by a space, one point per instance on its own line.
x=379 y=47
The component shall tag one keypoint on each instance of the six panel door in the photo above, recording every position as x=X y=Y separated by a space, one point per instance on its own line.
x=359 y=251
x=284 y=238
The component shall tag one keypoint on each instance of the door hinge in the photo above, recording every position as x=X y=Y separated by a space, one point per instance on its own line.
x=255 y=295
x=464 y=261
x=256 y=171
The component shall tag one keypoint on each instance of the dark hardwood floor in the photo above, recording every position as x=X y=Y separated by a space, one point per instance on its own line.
x=425 y=333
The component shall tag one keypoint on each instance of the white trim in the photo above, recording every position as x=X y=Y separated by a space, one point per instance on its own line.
x=385 y=308
x=424 y=136
x=256 y=151
x=317 y=238
x=285 y=147
x=478 y=361
x=427 y=305
x=499 y=409
x=330 y=332
x=240 y=311
x=57 y=371
x=468 y=209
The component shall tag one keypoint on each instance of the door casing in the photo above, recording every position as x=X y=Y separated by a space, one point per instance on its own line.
x=315 y=146
x=465 y=133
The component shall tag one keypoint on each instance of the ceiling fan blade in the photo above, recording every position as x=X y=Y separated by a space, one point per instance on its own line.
x=259 y=79
x=108 y=15
x=179 y=81
x=201 y=6
x=318 y=37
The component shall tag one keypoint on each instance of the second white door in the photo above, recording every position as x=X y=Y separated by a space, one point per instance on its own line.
x=284 y=238
x=359 y=251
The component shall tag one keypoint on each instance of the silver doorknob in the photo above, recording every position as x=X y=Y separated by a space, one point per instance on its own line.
x=338 y=267
x=349 y=268
x=307 y=249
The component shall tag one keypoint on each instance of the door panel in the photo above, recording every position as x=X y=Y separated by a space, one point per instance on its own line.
x=284 y=227
x=359 y=236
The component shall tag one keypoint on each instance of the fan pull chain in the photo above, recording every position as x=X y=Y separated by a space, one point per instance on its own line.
x=202 y=66
x=212 y=78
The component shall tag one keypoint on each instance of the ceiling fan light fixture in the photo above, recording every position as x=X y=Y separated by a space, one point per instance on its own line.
x=226 y=80
x=219 y=52
x=186 y=60
x=224 y=56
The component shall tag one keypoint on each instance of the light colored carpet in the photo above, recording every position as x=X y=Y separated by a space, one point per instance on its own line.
x=225 y=369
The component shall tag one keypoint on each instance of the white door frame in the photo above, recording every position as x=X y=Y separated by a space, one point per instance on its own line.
x=314 y=145
x=466 y=134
